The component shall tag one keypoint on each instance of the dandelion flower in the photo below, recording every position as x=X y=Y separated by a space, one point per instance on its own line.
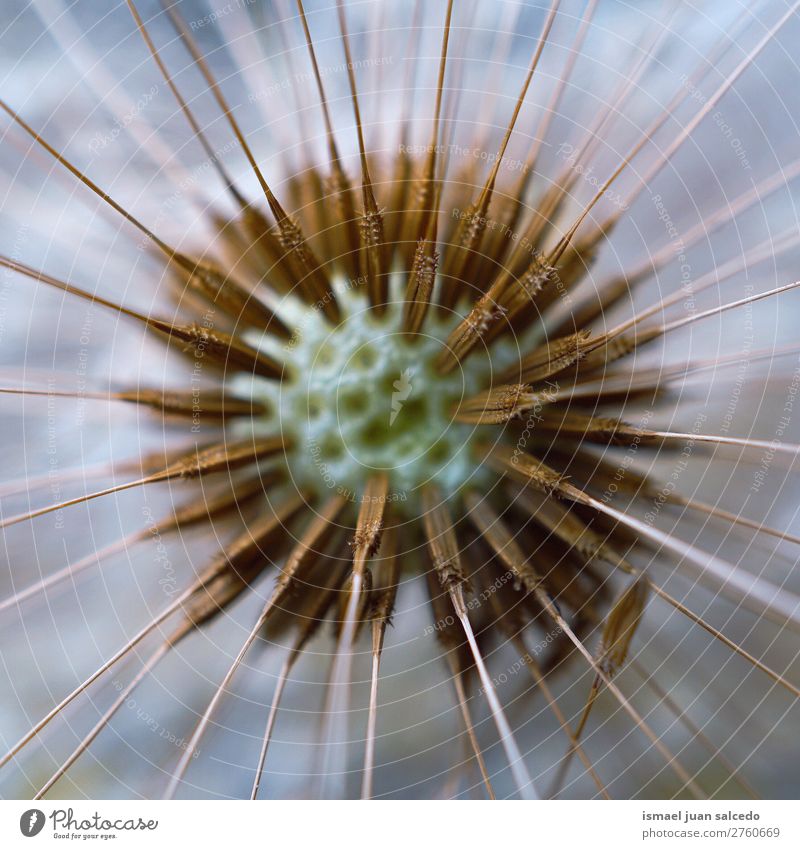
x=382 y=414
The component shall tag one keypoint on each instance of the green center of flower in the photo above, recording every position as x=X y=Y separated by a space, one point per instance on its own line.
x=363 y=397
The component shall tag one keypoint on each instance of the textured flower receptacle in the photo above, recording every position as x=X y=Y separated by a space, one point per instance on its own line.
x=363 y=396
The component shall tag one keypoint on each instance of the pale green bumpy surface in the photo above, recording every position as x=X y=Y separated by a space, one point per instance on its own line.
x=363 y=397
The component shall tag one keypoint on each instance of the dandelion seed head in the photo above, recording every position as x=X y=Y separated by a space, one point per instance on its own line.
x=396 y=366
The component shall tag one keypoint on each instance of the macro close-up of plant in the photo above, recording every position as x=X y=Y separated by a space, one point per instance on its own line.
x=400 y=399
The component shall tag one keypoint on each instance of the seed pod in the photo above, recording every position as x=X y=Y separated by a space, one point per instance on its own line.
x=620 y=625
